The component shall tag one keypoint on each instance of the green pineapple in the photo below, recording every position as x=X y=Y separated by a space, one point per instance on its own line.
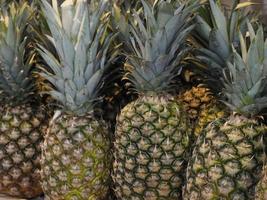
x=22 y=120
x=229 y=154
x=76 y=155
x=214 y=35
x=153 y=133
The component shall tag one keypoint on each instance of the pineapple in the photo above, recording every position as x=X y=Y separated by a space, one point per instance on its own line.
x=229 y=154
x=153 y=133
x=202 y=107
x=76 y=155
x=197 y=99
x=215 y=33
x=22 y=120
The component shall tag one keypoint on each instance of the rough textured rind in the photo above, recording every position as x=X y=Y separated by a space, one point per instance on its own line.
x=208 y=114
x=261 y=189
x=76 y=159
x=21 y=134
x=227 y=160
x=202 y=107
x=195 y=99
x=151 y=146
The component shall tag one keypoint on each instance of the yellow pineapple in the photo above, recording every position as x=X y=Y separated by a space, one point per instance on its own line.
x=196 y=99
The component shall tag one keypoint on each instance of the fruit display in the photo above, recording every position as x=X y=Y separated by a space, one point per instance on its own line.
x=132 y=100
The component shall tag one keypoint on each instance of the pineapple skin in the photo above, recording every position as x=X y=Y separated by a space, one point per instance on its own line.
x=195 y=99
x=261 y=189
x=151 y=146
x=202 y=107
x=208 y=114
x=76 y=159
x=227 y=160
x=21 y=135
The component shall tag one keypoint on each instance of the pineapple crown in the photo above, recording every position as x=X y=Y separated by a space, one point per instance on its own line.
x=155 y=44
x=245 y=77
x=16 y=82
x=216 y=31
x=126 y=5
x=80 y=37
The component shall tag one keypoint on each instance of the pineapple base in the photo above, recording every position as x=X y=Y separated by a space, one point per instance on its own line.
x=21 y=130
x=76 y=160
x=151 y=144
x=227 y=160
